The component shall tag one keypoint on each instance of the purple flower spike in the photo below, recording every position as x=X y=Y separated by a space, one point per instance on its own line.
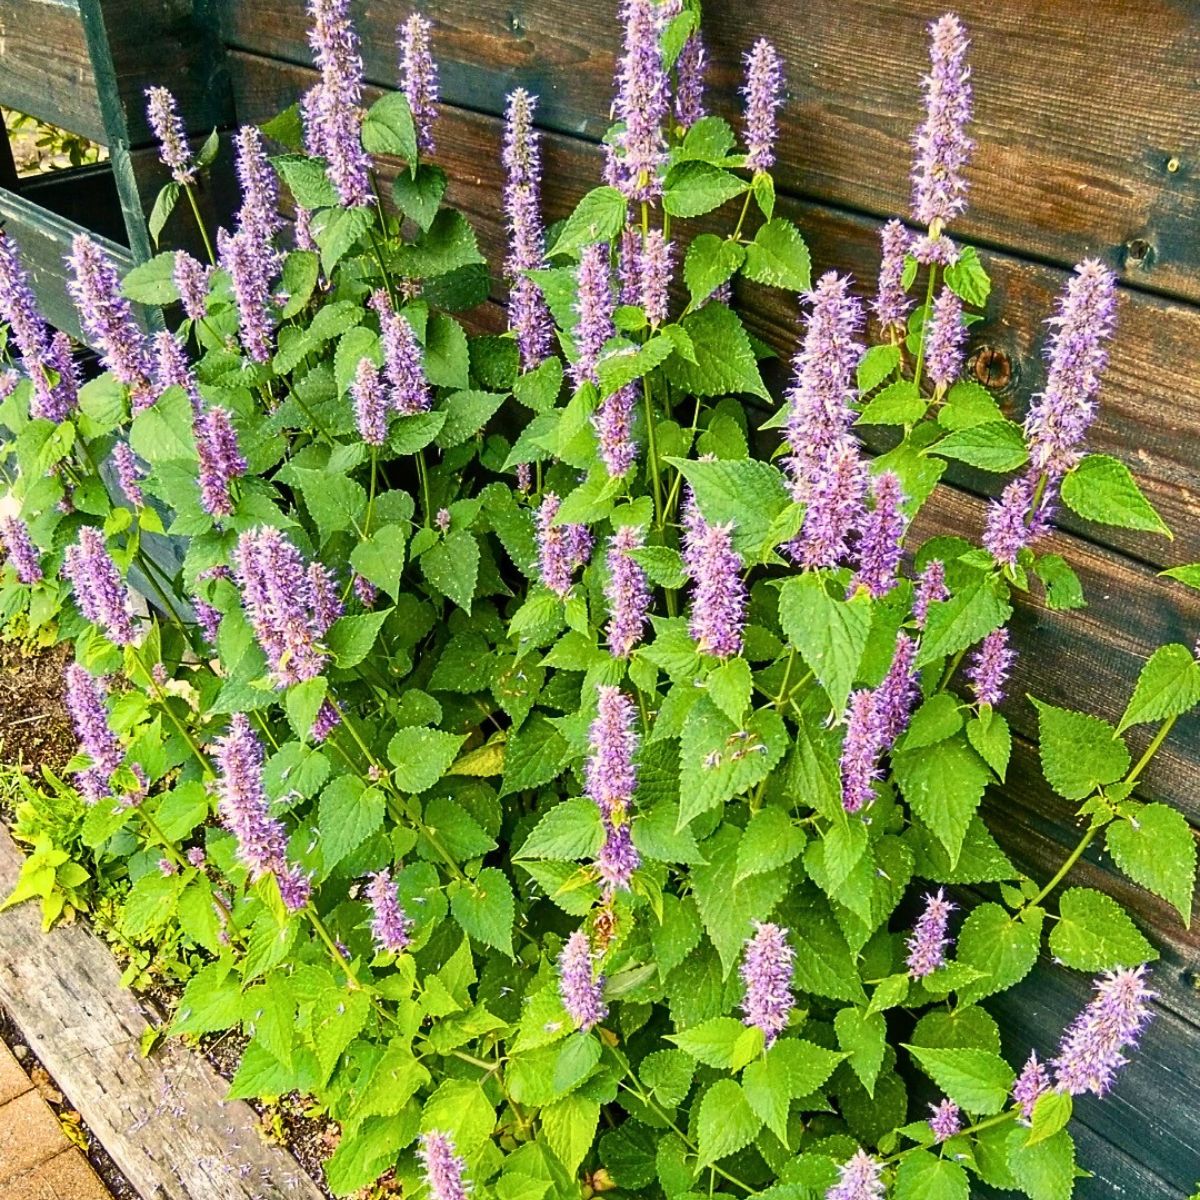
x=881 y=543
x=106 y=315
x=944 y=340
x=163 y=118
x=689 y=83
x=929 y=941
x=444 y=1170
x=931 y=587
x=860 y=751
x=611 y=775
x=1032 y=1083
x=366 y=591
x=629 y=266
x=323 y=598
x=939 y=189
x=209 y=620
x=1083 y=322
x=618 y=857
x=613 y=422
x=561 y=548
x=418 y=73
x=390 y=927
x=22 y=553
x=101 y=595
x=85 y=703
x=1091 y=1052
x=766 y=972
x=897 y=695
x=627 y=592
x=128 y=474
x=249 y=265
x=891 y=304
x=655 y=277
x=860 y=1180
x=259 y=214
x=403 y=359
x=582 y=991
x=295 y=888
x=221 y=460
x=946 y=1120
x=56 y=402
x=191 y=279
x=528 y=315
x=990 y=666
x=595 y=309
x=638 y=153
x=764 y=94
x=19 y=308
x=172 y=368
x=325 y=722
x=334 y=107
x=835 y=507
x=370 y=403
x=718 y=593
x=1007 y=530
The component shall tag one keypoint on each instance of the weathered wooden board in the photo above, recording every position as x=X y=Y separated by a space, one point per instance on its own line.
x=1149 y=415
x=163 y=1119
x=1087 y=176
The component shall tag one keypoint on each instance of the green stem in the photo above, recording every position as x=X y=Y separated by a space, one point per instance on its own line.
x=652 y=454
x=951 y=667
x=184 y=732
x=423 y=476
x=925 y=327
x=1152 y=749
x=979 y=1126
x=737 y=229
x=314 y=919
x=208 y=248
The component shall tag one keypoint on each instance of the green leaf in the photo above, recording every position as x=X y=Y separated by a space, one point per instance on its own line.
x=598 y=217
x=569 y=1127
x=778 y=257
x=301 y=270
x=1079 y=752
x=830 y=633
x=1168 y=685
x=447 y=354
x=663 y=566
x=466 y=415
x=1094 y=933
x=1063 y=589
x=388 y=128
x=163 y=432
x=730 y=686
x=862 y=1035
x=152 y=282
x=967 y=279
x=164 y=206
x=569 y=830
x=943 y=785
x=485 y=909
x=421 y=757
x=925 y=1176
x=348 y=814
x=992 y=741
x=350 y=639
x=420 y=197
x=452 y=567
x=1100 y=488
x=1156 y=848
x=900 y=403
x=875 y=366
x=303 y=703
x=824 y=965
x=539 y=389
x=968 y=404
x=534 y=756
x=1188 y=574
x=726 y=1122
x=722 y=1042
x=362 y=1156
x=1051 y=1113
x=999 y=946
x=460 y=1108
x=1045 y=1170
x=211 y=1001
x=746 y=491
x=978 y=1080
x=709 y=262
x=624 y=366
x=936 y=720
x=380 y=559
x=306 y=180
x=337 y=502
x=725 y=362
x=771 y=840
x=975 y=609
x=994 y=446
x=694 y=188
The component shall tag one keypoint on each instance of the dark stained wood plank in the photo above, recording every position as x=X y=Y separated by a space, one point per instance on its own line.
x=163 y=1119
x=1061 y=171
x=1149 y=413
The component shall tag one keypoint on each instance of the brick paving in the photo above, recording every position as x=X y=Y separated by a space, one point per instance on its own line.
x=37 y=1162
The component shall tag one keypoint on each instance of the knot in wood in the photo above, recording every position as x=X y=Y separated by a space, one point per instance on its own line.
x=1139 y=253
x=992 y=368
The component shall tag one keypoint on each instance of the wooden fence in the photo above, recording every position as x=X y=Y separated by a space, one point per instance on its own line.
x=1088 y=130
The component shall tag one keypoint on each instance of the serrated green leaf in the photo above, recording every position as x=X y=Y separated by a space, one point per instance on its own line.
x=993 y=446
x=968 y=616
x=725 y=362
x=1079 y=752
x=771 y=840
x=422 y=756
x=830 y=633
x=722 y=1042
x=1156 y=848
x=999 y=946
x=485 y=909
x=778 y=257
x=1100 y=488
x=598 y=217
x=726 y=1122
x=1168 y=685
x=451 y=567
x=863 y=1036
x=943 y=785
x=1094 y=933
x=570 y=830
x=925 y=1176
x=709 y=262
x=693 y=188
x=1045 y=1170
x=978 y=1080
x=746 y=492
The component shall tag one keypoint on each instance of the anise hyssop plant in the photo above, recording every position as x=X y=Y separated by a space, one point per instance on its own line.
x=558 y=759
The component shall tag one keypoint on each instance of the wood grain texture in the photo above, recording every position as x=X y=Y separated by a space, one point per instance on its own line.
x=163 y=1119
x=1088 y=176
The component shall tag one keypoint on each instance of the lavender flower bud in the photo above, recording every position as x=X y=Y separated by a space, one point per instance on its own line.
x=259 y=214
x=370 y=403
x=444 y=1169
x=366 y=591
x=1091 y=1051
x=835 y=507
x=403 y=359
x=611 y=774
x=85 y=703
x=18 y=306
x=325 y=722
x=128 y=474
x=990 y=666
x=931 y=587
x=561 y=548
x=295 y=888
x=929 y=940
x=897 y=695
x=196 y=857
x=880 y=545
x=629 y=266
x=209 y=620
x=944 y=340
x=764 y=94
x=655 y=277
x=618 y=857
x=106 y=314
x=166 y=867
x=627 y=592
x=946 y=1120
x=302 y=230
x=163 y=117
x=242 y=802
x=582 y=992
x=1007 y=532
x=524 y=477
x=221 y=460
x=891 y=304
x=689 y=83
x=101 y=595
x=766 y=972
x=333 y=109
x=418 y=72
x=860 y=751
x=191 y=279
x=718 y=593
x=9 y=381
x=595 y=309
x=939 y=189
x=322 y=598
x=1084 y=318
x=390 y=927
x=172 y=368
x=638 y=153
x=442 y=520
x=1032 y=1083
x=860 y=1180
x=613 y=422
x=249 y=265
x=22 y=553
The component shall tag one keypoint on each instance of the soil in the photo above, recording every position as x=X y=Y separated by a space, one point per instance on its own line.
x=34 y=727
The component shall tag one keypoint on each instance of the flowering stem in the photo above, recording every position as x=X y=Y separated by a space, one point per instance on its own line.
x=979 y=1126
x=184 y=732
x=737 y=229
x=208 y=248
x=314 y=919
x=925 y=327
x=652 y=455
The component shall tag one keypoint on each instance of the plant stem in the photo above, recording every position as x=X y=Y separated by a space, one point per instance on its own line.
x=737 y=229
x=208 y=248
x=652 y=455
x=423 y=476
x=184 y=732
x=314 y=919
x=1152 y=749
x=925 y=327
x=978 y=1127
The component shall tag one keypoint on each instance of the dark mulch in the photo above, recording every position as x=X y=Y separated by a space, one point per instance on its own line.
x=34 y=726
